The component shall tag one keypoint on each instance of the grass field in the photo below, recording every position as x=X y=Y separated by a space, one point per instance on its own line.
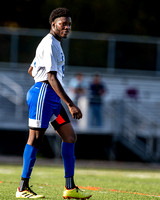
x=104 y=184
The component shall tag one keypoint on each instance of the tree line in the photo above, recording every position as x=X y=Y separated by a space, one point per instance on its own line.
x=135 y=17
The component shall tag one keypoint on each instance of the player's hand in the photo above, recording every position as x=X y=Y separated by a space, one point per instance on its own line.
x=75 y=112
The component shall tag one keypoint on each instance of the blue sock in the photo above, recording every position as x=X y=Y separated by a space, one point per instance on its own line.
x=29 y=158
x=67 y=151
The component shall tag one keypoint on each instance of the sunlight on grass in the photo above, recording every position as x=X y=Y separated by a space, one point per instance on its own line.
x=103 y=184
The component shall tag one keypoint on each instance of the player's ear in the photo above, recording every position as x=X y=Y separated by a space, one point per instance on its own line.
x=53 y=24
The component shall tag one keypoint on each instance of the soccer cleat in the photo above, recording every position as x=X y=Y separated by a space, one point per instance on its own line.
x=28 y=193
x=76 y=193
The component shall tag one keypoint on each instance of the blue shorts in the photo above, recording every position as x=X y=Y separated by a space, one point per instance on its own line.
x=43 y=103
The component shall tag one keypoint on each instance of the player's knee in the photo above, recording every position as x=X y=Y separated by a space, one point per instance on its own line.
x=71 y=139
x=35 y=138
x=38 y=142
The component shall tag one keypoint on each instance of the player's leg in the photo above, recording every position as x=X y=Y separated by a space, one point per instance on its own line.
x=29 y=157
x=64 y=128
x=67 y=150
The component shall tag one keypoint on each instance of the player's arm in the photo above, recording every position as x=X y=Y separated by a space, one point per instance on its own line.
x=56 y=85
x=30 y=71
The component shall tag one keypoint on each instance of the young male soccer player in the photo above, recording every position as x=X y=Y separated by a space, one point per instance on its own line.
x=44 y=101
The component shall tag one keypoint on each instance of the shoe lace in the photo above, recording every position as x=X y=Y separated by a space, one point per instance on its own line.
x=77 y=189
x=31 y=191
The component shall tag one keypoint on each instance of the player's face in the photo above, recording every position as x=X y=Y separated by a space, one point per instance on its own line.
x=62 y=27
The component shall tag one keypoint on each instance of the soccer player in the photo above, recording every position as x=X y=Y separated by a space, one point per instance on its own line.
x=44 y=102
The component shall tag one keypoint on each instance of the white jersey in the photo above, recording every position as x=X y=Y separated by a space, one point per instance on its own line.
x=49 y=57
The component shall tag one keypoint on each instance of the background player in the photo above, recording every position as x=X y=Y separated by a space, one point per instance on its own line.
x=44 y=102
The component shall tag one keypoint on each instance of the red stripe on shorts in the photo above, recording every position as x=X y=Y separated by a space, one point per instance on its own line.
x=60 y=120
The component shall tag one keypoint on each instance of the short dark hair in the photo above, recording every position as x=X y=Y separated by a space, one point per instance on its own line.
x=59 y=12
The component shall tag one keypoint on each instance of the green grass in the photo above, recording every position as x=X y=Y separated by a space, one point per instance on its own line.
x=108 y=184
